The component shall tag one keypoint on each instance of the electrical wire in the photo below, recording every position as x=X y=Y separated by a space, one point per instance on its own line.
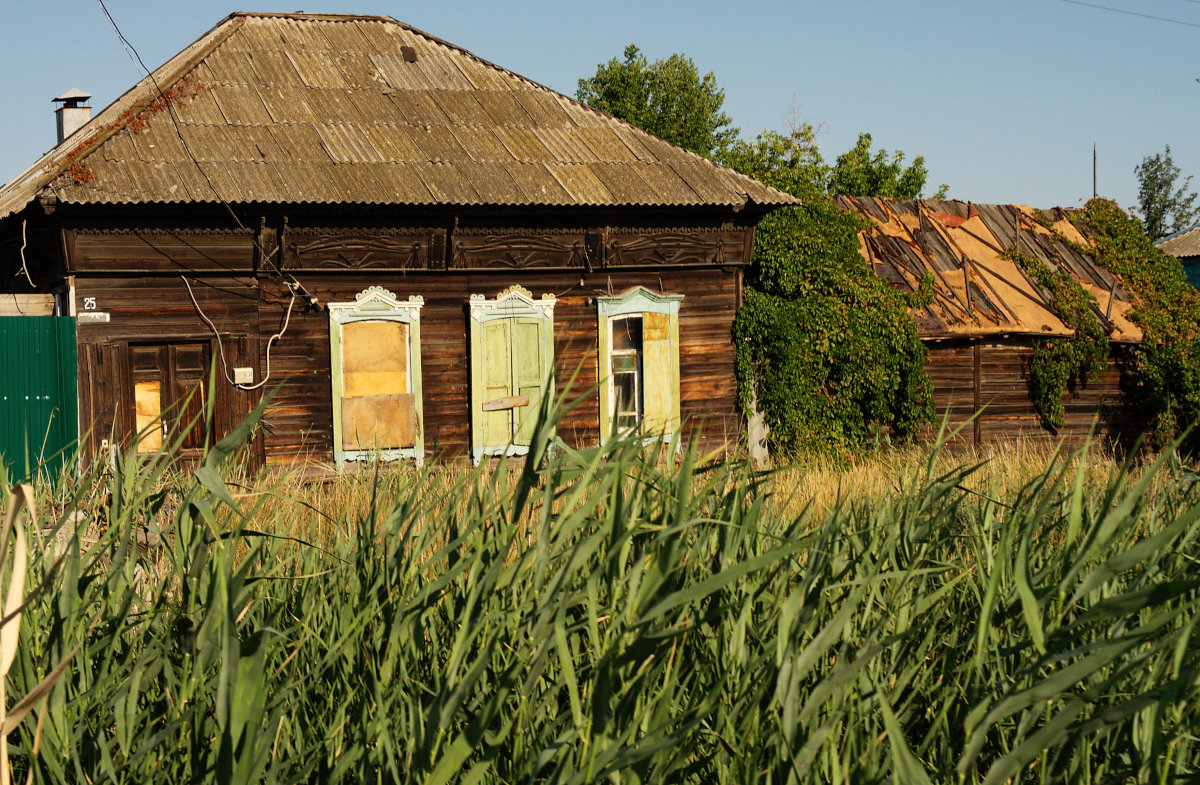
x=1134 y=13
x=25 y=269
x=267 y=257
x=221 y=349
x=289 y=280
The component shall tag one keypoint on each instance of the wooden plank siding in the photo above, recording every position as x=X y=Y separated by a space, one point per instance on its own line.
x=299 y=423
x=151 y=310
x=993 y=377
x=155 y=308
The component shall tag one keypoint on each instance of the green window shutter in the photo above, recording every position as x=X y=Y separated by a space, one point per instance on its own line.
x=512 y=350
x=497 y=381
x=661 y=375
x=375 y=356
x=529 y=372
x=659 y=354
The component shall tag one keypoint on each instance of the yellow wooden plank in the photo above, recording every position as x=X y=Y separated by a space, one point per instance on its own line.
x=375 y=346
x=361 y=383
x=383 y=422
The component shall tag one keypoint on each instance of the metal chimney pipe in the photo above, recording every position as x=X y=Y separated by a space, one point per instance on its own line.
x=71 y=116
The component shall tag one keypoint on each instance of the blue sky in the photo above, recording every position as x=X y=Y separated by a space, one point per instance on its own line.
x=1004 y=99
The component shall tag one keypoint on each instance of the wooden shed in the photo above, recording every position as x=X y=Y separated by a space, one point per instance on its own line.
x=987 y=313
x=409 y=239
x=1185 y=246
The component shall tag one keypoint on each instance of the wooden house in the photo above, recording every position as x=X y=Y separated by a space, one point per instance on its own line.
x=987 y=313
x=407 y=238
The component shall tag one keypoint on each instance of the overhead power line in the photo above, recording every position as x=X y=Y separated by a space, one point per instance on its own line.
x=291 y=282
x=1134 y=13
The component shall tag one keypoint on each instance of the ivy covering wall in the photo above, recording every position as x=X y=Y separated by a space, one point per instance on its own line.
x=825 y=345
x=1163 y=375
x=831 y=356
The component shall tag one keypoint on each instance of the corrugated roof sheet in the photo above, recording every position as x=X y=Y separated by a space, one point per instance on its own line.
x=1182 y=243
x=260 y=93
x=977 y=292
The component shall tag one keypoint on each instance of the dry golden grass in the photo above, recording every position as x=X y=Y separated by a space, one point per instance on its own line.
x=329 y=510
x=817 y=486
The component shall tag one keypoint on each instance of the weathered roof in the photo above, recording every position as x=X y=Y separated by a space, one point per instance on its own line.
x=977 y=292
x=334 y=109
x=1183 y=243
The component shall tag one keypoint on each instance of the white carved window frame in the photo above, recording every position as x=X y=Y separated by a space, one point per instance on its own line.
x=377 y=304
x=637 y=300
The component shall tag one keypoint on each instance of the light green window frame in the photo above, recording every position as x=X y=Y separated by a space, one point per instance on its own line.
x=376 y=307
x=512 y=365
x=658 y=379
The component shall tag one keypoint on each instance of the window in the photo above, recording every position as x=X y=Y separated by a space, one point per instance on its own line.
x=627 y=370
x=375 y=353
x=512 y=362
x=639 y=363
x=168 y=393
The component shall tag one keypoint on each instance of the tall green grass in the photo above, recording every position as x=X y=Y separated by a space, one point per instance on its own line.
x=619 y=614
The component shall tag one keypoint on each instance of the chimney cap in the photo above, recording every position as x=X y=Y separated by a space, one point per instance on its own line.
x=71 y=96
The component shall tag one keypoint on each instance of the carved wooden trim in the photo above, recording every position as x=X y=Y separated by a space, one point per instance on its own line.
x=522 y=249
x=676 y=247
x=363 y=249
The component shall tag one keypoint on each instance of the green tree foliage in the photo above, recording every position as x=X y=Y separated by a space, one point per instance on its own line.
x=1059 y=363
x=859 y=172
x=668 y=98
x=825 y=345
x=1163 y=377
x=1164 y=207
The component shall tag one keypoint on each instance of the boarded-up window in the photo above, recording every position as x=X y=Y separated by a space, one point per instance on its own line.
x=148 y=413
x=377 y=403
x=376 y=359
x=639 y=363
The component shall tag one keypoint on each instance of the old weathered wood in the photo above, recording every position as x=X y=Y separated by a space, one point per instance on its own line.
x=509 y=402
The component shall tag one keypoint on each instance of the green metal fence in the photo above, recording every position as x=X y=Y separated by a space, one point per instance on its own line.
x=39 y=412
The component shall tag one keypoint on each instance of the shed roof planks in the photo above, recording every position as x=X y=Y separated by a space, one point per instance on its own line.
x=978 y=292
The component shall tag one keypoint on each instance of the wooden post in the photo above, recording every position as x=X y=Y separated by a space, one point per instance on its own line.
x=978 y=393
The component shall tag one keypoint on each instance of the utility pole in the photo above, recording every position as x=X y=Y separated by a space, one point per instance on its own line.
x=1093 y=170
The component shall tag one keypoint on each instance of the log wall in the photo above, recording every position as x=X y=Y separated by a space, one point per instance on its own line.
x=122 y=310
x=300 y=421
x=993 y=377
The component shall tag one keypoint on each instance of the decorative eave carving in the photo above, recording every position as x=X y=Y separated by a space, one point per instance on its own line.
x=682 y=247
x=524 y=249
x=315 y=248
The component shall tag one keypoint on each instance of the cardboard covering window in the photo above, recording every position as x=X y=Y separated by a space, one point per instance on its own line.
x=376 y=362
x=659 y=376
x=148 y=410
x=378 y=411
